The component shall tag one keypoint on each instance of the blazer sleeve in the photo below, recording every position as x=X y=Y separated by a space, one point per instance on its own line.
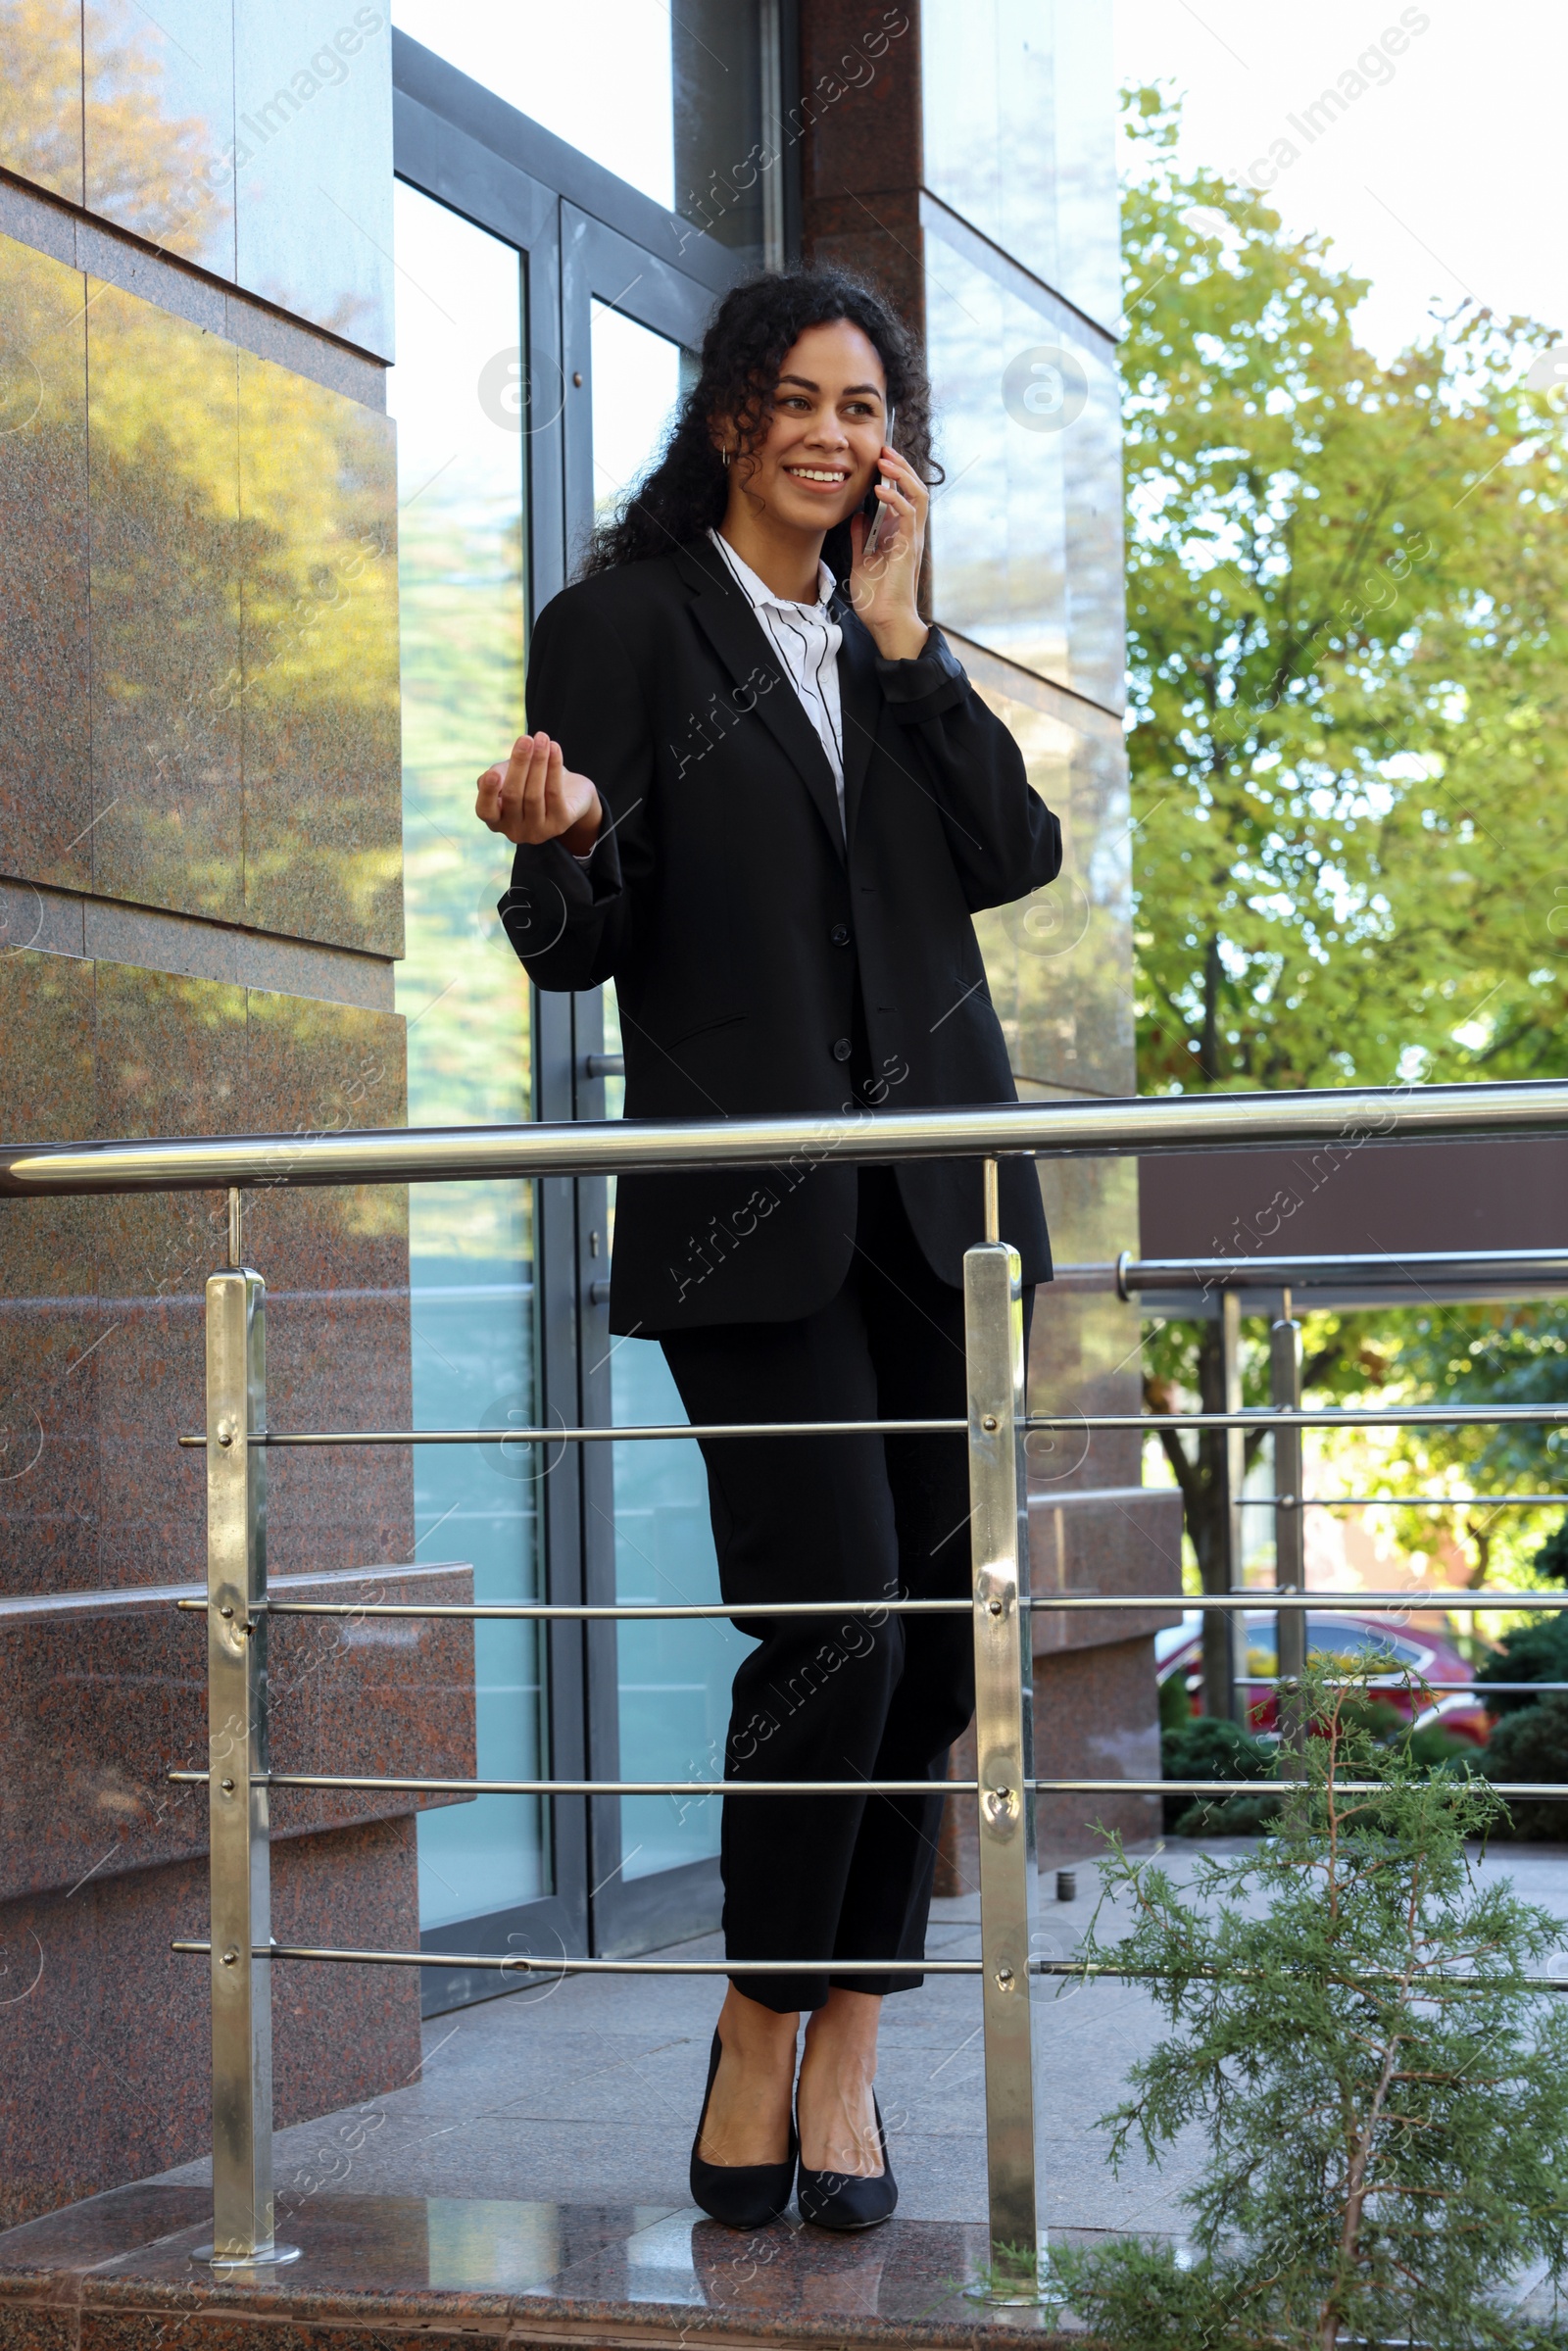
x=1004 y=842
x=567 y=917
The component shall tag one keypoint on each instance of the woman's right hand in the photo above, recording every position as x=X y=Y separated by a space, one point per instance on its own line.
x=534 y=796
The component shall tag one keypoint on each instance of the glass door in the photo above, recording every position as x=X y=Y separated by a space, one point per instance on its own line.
x=658 y=1693
x=488 y=1878
x=542 y=340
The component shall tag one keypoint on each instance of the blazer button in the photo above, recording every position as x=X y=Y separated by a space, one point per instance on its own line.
x=842 y=1050
x=840 y=934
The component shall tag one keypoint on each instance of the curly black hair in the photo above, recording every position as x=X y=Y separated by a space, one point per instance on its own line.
x=686 y=490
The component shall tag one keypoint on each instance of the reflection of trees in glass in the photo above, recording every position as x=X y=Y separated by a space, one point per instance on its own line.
x=40 y=94
x=151 y=166
x=318 y=489
x=462 y=990
x=1055 y=968
x=162 y=410
x=243 y=585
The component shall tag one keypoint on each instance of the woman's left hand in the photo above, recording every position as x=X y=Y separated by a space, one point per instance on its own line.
x=883 y=583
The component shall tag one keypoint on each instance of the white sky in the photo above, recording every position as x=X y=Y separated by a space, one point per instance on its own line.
x=1443 y=181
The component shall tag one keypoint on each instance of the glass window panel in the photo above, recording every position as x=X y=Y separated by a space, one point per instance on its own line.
x=636 y=383
x=673 y=1680
x=670 y=101
x=1027 y=433
x=1018 y=114
x=999 y=520
x=465 y=998
x=312 y=107
x=158 y=122
x=600 y=77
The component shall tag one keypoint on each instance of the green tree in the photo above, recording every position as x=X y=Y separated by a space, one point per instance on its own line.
x=1382 y=2089
x=1346 y=645
x=1348 y=584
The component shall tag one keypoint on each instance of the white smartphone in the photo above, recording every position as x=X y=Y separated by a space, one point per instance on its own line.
x=873 y=508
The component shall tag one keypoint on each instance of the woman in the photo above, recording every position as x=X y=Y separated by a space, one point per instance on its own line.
x=762 y=796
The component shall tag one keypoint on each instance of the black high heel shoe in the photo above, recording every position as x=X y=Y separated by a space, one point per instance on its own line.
x=743 y=2195
x=846 y=2199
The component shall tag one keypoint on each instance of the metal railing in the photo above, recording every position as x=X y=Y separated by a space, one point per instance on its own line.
x=240 y=1949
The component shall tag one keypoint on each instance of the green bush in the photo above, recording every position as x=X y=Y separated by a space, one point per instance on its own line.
x=1209 y=1747
x=1552 y=1557
x=1175 y=1706
x=1531 y=1653
x=1382 y=2090
x=1533 y=1744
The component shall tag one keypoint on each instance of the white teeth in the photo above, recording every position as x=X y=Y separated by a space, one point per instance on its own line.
x=813 y=474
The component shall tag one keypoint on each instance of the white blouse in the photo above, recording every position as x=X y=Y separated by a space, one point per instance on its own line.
x=806 y=639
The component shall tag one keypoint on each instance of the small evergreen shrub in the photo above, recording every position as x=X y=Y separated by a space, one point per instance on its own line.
x=1175 y=1705
x=1384 y=2093
x=1552 y=1557
x=1530 y=1653
x=1209 y=1747
x=1533 y=1744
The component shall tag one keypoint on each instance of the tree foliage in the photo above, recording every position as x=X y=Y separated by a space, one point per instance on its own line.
x=1383 y=2092
x=1346 y=645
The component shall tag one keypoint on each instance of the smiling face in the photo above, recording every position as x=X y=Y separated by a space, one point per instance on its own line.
x=829 y=419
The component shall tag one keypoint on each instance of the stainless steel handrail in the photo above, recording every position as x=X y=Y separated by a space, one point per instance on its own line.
x=1548 y=1267
x=412 y=1784
x=589 y=1612
x=416 y=1784
x=1349 y=1117
x=1402 y=1501
x=527 y=1962
x=241 y=1946
x=1259 y=1416
x=1253 y=1599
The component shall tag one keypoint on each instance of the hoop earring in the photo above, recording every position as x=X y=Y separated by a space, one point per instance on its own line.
x=724 y=453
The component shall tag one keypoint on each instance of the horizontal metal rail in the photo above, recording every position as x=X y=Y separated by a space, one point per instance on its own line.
x=1416 y=1687
x=1448 y=1979
x=1267 y=1417
x=1539 y=1790
x=644 y=1431
x=411 y=1786
x=526 y=1963
x=336 y=1782
x=1262 y=1600
x=1422 y=1502
x=1342 y=1118
x=1257 y=1598
x=551 y=1611
x=1261 y=1416
x=1546 y=1266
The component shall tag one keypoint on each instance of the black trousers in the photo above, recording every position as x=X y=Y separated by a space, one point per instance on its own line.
x=858 y=1696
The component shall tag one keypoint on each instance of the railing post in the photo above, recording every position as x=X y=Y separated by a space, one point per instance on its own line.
x=1289 y=1547
x=237 y=1749
x=993 y=1308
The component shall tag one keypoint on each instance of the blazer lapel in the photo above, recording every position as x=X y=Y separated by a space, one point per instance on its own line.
x=860 y=702
x=737 y=636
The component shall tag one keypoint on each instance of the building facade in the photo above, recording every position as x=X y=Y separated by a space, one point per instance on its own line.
x=324 y=334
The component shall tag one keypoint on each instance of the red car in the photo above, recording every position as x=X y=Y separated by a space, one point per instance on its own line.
x=1343 y=1637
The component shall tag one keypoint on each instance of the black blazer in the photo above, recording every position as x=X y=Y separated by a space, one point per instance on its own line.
x=720 y=900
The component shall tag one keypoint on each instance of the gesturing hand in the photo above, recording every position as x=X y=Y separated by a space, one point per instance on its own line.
x=534 y=796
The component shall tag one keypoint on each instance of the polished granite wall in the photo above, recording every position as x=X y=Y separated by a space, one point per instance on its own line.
x=200 y=902
x=974 y=177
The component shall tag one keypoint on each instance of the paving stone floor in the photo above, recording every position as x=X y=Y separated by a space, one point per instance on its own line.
x=587 y=2091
